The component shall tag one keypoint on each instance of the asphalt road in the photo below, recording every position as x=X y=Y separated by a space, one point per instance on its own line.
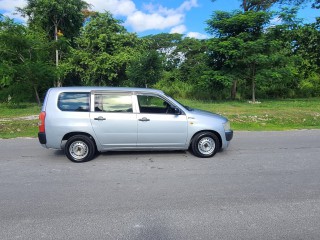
x=266 y=185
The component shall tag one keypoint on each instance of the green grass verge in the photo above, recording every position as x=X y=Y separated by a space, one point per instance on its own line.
x=15 y=121
x=18 y=110
x=265 y=116
x=18 y=128
x=268 y=115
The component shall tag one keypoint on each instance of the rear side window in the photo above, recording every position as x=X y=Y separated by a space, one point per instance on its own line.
x=76 y=102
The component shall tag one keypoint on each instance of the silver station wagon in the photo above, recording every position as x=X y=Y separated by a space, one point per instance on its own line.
x=85 y=120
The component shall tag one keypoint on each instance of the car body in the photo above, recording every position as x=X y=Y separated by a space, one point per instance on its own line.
x=84 y=120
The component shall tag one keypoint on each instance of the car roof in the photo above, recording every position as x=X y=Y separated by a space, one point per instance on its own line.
x=111 y=89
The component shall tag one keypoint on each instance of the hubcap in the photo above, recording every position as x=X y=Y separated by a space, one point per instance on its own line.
x=78 y=150
x=206 y=146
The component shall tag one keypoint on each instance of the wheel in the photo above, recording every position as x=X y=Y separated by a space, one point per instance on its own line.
x=80 y=148
x=205 y=144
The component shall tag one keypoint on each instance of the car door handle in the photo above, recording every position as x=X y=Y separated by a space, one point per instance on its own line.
x=100 y=118
x=144 y=119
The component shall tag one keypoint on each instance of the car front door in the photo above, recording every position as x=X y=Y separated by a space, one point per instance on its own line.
x=159 y=125
x=113 y=120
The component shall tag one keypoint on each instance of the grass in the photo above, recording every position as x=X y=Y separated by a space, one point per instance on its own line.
x=265 y=116
x=14 y=122
x=18 y=110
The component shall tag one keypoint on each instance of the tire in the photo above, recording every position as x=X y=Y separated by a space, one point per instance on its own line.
x=205 y=144
x=80 y=148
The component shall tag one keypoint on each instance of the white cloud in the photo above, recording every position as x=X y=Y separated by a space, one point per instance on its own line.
x=150 y=17
x=179 y=29
x=188 y=5
x=116 y=7
x=9 y=8
x=17 y=17
x=157 y=8
x=140 y=21
x=157 y=17
x=197 y=35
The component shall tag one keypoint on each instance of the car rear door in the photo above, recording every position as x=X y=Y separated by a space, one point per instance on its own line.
x=113 y=120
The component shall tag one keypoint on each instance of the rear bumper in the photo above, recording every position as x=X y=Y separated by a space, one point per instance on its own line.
x=229 y=135
x=42 y=137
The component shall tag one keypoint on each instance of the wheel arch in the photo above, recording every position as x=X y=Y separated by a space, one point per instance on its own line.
x=71 y=134
x=205 y=131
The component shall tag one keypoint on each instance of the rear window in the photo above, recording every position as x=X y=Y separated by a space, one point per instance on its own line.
x=76 y=102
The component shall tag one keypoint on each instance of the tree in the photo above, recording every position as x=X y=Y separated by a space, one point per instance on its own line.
x=257 y=5
x=184 y=61
x=56 y=17
x=24 y=65
x=166 y=45
x=240 y=47
x=278 y=61
x=316 y=4
x=264 y=5
x=163 y=41
x=102 y=52
x=146 y=69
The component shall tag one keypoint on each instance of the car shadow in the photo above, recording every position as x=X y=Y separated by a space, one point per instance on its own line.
x=142 y=153
x=59 y=154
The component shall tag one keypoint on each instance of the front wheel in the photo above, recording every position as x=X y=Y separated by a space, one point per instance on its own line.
x=80 y=148
x=205 y=144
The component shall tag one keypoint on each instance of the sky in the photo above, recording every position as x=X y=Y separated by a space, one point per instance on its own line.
x=146 y=17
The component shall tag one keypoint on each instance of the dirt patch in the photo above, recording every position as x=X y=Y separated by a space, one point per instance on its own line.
x=32 y=117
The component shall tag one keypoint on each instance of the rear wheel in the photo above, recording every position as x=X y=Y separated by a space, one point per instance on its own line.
x=205 y=144
x=80 y=148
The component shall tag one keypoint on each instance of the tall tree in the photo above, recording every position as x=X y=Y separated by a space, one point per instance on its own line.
x=184 y=61
x=240 y=47
x=145 y=69
x=263 y=5
x=193 y=56
x=166 y=45
x=163 y=41
x=24 y=61
x=56 y=17
x=102 y=51
x=257 y=5
x=316 y=4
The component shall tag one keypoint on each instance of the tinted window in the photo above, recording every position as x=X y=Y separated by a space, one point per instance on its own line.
x=70 y=101
x=113 y=103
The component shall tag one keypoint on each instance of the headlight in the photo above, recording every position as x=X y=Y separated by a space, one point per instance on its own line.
x=226 y=126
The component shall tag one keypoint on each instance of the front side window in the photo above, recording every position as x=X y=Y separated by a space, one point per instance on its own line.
x=77 y=102
x=153 y=104
x=113 y=103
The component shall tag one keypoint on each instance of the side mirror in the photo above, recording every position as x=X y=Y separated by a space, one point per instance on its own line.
x=176 y=111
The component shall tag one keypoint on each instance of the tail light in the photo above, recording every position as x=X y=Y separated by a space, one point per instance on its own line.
x=42 y=117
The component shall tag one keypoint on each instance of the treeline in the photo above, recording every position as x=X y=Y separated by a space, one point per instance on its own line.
x=247 y=57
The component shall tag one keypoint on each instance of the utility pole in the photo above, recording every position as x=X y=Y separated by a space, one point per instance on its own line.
x=58 y=84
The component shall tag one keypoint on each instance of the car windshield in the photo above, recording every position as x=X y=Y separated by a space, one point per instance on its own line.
x=186 y=107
